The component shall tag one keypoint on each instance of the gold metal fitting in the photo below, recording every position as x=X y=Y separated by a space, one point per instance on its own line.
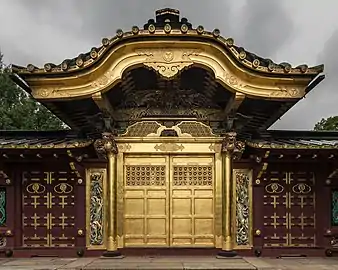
x=80 y=232
x=258 y=232
x=258 y=181
x=8 y=232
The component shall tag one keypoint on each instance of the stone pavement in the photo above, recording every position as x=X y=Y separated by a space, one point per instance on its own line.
x=167 y=263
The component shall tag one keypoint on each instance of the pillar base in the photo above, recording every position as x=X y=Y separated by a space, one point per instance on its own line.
x=113 y=254
x=226 y=254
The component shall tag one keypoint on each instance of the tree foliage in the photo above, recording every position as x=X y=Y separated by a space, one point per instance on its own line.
x=330 y=123
x=19 y=111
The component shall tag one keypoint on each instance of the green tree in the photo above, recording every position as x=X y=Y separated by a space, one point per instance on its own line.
x=330 y=123
x=19 y=111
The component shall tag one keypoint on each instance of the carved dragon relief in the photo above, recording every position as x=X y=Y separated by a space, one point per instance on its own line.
x=168 y=62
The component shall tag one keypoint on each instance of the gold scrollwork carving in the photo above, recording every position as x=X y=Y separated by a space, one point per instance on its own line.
x=301 y=188
x=63 y=188
x=36 y=188
x=169 y=147
x=168 y=63
x=285 y=91
x=274 y=188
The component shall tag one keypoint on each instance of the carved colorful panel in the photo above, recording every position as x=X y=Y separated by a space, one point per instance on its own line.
x=334 y=208
x=48 y=209
x=3 y=212
x=95 y=204
x=289 y=209
x=243 y=218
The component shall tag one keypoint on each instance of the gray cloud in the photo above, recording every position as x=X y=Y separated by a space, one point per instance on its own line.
x=266 y=26
x=321 y=102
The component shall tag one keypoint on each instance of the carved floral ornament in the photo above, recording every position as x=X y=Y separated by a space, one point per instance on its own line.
x=168 y=62
x=168 y=59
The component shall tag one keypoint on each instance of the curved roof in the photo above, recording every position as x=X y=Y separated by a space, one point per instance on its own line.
x=169 y=25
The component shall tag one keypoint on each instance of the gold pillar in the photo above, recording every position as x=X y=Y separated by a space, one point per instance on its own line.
x=227 y=195
x=230 y=150
x=111 y=213
x=107 y=148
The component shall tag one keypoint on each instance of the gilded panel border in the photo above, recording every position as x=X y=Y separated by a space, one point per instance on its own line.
x=242 y=215
x=96 y=209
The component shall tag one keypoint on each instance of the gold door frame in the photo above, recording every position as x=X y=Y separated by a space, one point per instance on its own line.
x=196 y=147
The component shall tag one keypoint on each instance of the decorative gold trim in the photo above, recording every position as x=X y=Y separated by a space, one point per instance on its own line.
x=182 y=54
x=88 y=201
x=289 y=146
x=75 y=144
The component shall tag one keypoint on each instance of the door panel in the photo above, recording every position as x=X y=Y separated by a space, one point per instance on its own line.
x=146 y=202
x=169 y=201
x=48 y=209
x=289 y=209
x=192 y=201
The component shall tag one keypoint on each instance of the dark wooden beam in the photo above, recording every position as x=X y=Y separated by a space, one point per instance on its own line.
x=103 y=104
x=233 y=104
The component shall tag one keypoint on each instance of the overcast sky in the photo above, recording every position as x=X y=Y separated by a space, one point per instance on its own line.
x=295 y=31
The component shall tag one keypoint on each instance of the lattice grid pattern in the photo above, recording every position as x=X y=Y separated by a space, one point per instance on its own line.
x=192 y=175
x=145 y=175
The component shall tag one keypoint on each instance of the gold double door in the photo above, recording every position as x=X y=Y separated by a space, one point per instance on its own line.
x=169 y=201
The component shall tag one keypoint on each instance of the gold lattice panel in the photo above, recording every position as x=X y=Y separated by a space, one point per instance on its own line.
x=195 y=129
x=145 y=175
x=192 y=175
x=142 y=129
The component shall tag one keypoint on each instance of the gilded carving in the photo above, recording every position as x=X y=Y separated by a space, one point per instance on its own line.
x=168 y=147
x=124 y=147
x=286 y=91
x=231 y=145
x=242 y=208
x=105 y=145
x=168 y=62
x=96 y=212
x=228 y=144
